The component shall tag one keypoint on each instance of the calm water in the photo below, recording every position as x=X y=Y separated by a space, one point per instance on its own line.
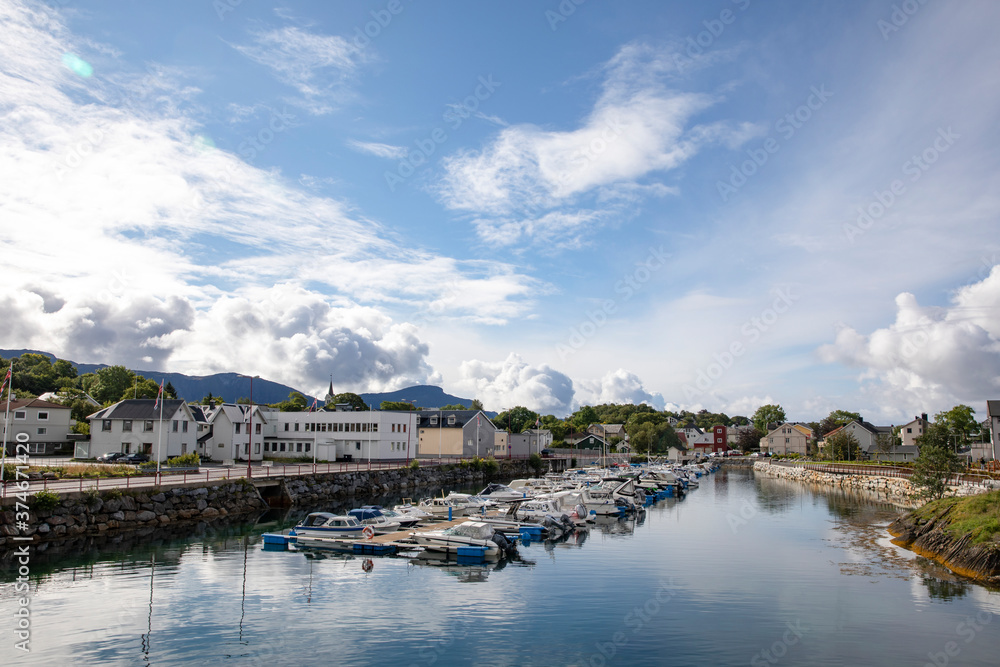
x=744 y=571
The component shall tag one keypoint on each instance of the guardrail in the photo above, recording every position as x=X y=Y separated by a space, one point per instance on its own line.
x=210 y=474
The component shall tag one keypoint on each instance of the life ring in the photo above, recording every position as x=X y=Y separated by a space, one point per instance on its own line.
x=368 y=532
x=367 y=565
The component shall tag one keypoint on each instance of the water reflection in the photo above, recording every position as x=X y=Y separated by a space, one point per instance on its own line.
x=943 y=589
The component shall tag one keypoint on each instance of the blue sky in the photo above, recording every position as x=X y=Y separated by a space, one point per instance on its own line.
x=691 y=204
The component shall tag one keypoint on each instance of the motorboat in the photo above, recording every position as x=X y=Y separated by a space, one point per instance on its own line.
x=443 y=507
x=501 y=493
x=372 y=516
x=465 y=534
x=327 y=525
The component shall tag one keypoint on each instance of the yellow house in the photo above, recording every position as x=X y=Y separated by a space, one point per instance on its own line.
x=787 y=438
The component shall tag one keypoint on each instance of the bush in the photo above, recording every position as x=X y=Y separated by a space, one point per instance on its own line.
x=91 y=495
x=45 y=500
x=490 y=466
x=535 y=463
x=414 y=465
x=113 y=494
x=191 y=460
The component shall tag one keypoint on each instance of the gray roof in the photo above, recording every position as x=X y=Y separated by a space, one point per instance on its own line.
x=462 y=417
x=993 y=408
x=142 y=409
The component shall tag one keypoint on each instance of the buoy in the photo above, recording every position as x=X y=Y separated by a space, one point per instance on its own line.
x=367 y=565
x=368 y=532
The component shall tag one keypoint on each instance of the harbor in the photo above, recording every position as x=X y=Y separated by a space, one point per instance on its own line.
x=716 y=576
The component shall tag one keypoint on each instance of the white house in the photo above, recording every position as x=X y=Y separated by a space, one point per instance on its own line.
x=233 y=428
x=44 y=427
x=377 y=435
x=135 y=425
x=993 y=415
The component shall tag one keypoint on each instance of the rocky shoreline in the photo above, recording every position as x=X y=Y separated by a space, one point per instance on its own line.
x=894 y=490
x=929 y=538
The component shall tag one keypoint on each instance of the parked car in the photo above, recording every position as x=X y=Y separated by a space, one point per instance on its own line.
x=547 y=453
x=110 y=457
x=136 y=457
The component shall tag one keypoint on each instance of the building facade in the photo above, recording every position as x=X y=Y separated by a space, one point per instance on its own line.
x=136 y=426
x=43 y=427
x=457 y=434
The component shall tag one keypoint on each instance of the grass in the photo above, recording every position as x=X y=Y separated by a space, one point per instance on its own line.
x=976 y=516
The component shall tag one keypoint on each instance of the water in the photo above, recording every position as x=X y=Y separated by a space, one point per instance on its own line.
x=743 y=571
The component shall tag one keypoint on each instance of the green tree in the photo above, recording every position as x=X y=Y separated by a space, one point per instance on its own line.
x=768 y=414
x=584 y=417
x=936 y=464
x=558 y=427
x=749 y=439
x=295 y=402
x=111 y=383
x=960 y=422
x=643 y=437
x=835 y=419
x=668 y=438
x=169 y=391
x=357 y=403
x=397 y=405
x=210 y=399
x=884 y=443
x=739 y=420
x=843 y=446
x=476 y=404
x=518 y=419
x=454 y=406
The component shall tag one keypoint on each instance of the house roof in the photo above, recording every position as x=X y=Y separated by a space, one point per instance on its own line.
x=993 y=408
x=35 y=403
x=462 y=417
x=234 y=412
x=896 y=449
x=142 y=408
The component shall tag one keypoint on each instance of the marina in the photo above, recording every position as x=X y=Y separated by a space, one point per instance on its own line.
x=715 y=577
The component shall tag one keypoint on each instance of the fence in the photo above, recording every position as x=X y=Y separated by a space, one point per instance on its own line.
x=210 y=474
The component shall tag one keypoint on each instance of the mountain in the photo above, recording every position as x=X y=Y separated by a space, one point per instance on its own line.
x=422 y=395
x=231 y=386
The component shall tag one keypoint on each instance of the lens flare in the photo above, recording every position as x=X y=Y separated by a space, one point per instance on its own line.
x=79 y=66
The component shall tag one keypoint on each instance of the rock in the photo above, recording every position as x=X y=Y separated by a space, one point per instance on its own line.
x=43 y=528
x=158 y=498
x=201 y=504
x=145 y=515
x=209 y=512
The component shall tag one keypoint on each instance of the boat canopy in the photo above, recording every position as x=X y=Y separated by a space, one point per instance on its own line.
x=474 y=529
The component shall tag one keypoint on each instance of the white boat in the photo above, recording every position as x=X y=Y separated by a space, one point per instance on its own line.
x=501 y=493
x=410 y=511
x=439 y=507
x=327 y=525
x=465 y=534
x=370 y=515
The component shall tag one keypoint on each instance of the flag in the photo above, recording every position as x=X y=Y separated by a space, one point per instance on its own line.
x=538 y=422
x=313 y=406
x=6 y=379
x=159 y=394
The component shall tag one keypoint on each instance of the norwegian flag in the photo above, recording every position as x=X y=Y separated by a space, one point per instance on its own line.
x=313 y=406
x=6 y=379
x=159 y=394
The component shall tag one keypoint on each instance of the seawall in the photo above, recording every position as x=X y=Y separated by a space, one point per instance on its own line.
x=895 y=490
x=114 y=511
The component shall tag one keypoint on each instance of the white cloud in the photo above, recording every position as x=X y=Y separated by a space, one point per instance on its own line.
x=637 y=127
x=930 y=355
x=618 y=386
x=387 y=151
x=319 y=67
x=504 y=384
x=129 y=239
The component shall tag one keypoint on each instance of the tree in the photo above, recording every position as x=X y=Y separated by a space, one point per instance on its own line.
x=476 y=404
x=740 y=420
x=643 y=437
x=111 y=383
x=210 y=399
x=843 y=446
x=397 y=405
x=836 y=419
x=169 y=391
x=518 y=419
x=749 y=439
x=884 y=443
x=668 y=438
x=960 y=422
x=768 y=414
x=584 y=417
x=558 y=427
x=357 y=403
x=296 y=402
x=936 y=464
x=453 y=406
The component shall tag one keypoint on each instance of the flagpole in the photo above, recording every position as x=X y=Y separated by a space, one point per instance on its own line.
x=9 y=380
x=159 y=431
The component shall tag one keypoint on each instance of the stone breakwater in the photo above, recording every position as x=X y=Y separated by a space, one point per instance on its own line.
x=895 y=490
x=94 y=513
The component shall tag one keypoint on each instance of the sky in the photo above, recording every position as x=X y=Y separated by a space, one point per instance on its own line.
x=697 y=205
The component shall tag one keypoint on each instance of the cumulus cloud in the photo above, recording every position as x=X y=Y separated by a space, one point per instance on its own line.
x=930 y=354
x=504 y=384
x=637 y=126
x=618 y=386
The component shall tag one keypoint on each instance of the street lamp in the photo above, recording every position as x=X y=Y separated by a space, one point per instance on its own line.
x=250 y=427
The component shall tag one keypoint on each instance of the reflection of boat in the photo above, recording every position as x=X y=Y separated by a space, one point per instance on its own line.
x=466 y=573
x=466 y=534
x=327 y=525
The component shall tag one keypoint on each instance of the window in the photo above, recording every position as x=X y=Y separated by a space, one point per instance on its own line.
x=393 y=429
x=404 y=428
x=174 y=426
x=184 y=427
x=184 y=448
x=375 y=427
x=787 y=440
x=434 y=420
x=298 y=447
x=257 y=430
x=296 y=426
x=36 y=448
x=282 y=446
x=451 y=420
x=267 y=446
x=23 y=414
x=357 y=446
x=221 y=445
x=41 y=430
x=43 y=416
x=308 y=447
x=909 y=430
x=126 y=426
x=256 y=448
x=237 y=425
x=286 y=426
x=147 y=425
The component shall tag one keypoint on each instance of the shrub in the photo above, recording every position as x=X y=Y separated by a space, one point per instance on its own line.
x=45 y=500
x=191 y=460
x=112 y=494
x=535 y=463
x=91 y=495
x=414 y=464
x=490 y=466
